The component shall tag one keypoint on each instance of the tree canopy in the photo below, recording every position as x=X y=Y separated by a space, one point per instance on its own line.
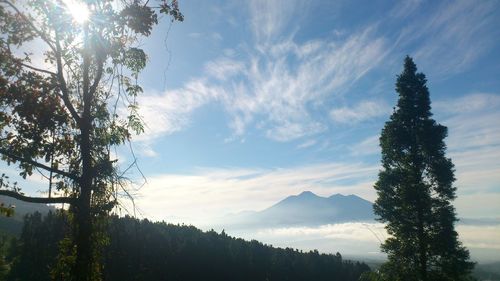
x=415 y=189
x=67 y=70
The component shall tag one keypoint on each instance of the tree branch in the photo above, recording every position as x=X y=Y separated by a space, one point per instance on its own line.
x=97 y=78
x=62 y=82
x=38 y=69
x=37 y=31
x=36 y=164
x=43 y=200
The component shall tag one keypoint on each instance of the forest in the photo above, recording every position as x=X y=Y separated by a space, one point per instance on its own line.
x=136 y=249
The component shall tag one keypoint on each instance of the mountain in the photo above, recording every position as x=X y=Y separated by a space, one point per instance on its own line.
x=307 y=209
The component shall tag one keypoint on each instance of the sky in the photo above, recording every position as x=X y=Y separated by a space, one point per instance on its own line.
x=248 y=102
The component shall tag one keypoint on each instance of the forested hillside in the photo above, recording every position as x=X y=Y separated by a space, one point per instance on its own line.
x=145 y=250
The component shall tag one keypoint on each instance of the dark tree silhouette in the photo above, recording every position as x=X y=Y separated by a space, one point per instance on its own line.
x=415 y=190
x=60 y=117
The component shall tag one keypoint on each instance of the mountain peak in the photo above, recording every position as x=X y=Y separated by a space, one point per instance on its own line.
x=337 y=195
x=307 y=193
x=309 y=209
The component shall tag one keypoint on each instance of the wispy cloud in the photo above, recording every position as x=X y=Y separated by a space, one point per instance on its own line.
x=474 y=139
x=451 y=37
x=283 y=85
x=362 y=111
x=405 y=8
x=476 y=102
x=279 y=88
x=168 y=112
x=224 y=68
x=277 y=82
x=307 y=143
x=367 y=146
x=270 y=19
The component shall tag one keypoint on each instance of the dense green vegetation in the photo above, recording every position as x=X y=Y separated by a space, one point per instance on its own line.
x=145 y=250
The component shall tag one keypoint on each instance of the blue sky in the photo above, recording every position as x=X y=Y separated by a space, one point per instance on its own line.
x=247 y=102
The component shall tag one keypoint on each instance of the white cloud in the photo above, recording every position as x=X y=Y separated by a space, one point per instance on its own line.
x=277 y=83
x=368 y=146
x=169 y=112
x=363 y=111
x=268 y=19
x=486 y=237
x=279 y=88
x=476 y=102
x=288 y=130
x=372 y=232
x=224 y=68
x=284 y=93
x=473 y=142
x=307 y=143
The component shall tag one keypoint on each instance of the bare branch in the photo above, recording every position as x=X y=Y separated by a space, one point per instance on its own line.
x=39 y=165
x=43 y=200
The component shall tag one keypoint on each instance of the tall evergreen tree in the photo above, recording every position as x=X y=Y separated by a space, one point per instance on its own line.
x=415 y=190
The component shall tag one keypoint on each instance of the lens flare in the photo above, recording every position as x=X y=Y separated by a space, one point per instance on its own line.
x=78 y=10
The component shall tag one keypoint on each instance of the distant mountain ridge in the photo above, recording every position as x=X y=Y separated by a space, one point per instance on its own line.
x=307 y=209
x=13 y=225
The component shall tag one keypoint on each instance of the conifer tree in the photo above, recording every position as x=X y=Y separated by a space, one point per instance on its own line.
x=415 y=189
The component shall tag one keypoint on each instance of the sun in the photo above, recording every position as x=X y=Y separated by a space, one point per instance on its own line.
x=78 y=10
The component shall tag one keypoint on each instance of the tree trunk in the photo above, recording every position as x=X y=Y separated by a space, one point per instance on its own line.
x=83 y=240
x=83 y=266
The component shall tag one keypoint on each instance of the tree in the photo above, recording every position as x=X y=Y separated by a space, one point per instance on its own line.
x=415 y=190
x=60 y=117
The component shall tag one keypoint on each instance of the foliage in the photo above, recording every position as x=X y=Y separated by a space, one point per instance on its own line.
x=145 y=250
x=7 y=211
x=60 y=106
x=415 y=190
